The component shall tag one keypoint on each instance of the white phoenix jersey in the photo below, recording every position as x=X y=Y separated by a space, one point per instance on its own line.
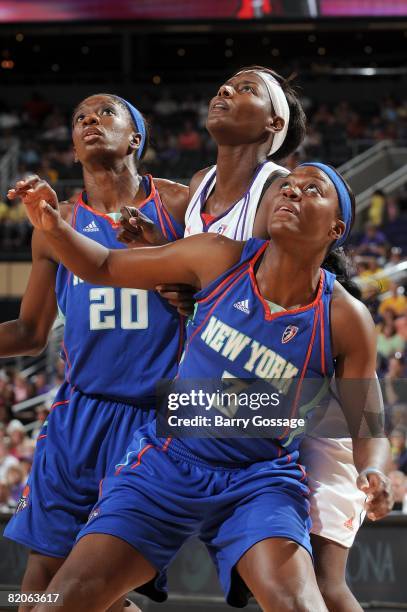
x=238 y=220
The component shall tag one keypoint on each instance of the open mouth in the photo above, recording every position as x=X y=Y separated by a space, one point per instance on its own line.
x=287 y=209
x=90 y=135
x=219 y=106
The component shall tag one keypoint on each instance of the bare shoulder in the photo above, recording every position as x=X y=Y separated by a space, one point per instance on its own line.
x=351 y=321
x=174 y=196
x=196 y=180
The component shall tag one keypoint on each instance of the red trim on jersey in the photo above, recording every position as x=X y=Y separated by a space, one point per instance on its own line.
x=304 y=369
x=207 y=218
x=267 y=314
x=73 y=224
x=43 y=436
x=59 y=404
x=166 y=444
x=219 y=287
x=322 y=337
x=150 y=196
x=67 y=360
x=100 y=488
x=167 y=216
x=114 y=224
x=161 y=220
x=141 y=453
x=303 y=472
x=222 y=295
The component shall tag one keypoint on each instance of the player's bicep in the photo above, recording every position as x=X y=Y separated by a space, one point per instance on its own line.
x=355 y=371
x=146 y=267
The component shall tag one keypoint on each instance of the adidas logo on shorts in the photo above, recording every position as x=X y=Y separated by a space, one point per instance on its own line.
x=91 y=227
x=243 y=306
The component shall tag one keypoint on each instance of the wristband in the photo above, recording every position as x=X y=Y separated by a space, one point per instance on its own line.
x=371 y=470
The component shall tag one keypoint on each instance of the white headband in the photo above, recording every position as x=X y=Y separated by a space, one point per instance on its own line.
x=280 y=105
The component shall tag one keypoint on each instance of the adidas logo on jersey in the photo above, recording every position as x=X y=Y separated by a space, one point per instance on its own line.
x=91 y=227
x=243 y=306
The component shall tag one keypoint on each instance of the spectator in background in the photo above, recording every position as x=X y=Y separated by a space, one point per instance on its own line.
x=398 y=449
x=36 y=108
x=40 y=384
x=41 y=413
x=373 y=242
x=15 y=483
x=16 y=228
x=389 y=342
x=4 y=498
x=395 y=257
x=377 y=208
x=395 y=387
x=397 y=302
x=166 y=105
x=20 y=444
x=189 y=138
x=399 y=486
x=6 y=459
x=26 y=465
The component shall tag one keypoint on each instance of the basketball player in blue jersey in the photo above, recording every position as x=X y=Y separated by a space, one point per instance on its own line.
x=233 y=198
x=245 y=497
x=117 y=342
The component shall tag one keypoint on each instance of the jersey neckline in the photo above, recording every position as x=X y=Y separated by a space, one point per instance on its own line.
x=150 y=196
x=268 y=315
x=210 y=184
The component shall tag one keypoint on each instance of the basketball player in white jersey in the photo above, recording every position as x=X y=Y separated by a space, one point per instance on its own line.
x=231 y=199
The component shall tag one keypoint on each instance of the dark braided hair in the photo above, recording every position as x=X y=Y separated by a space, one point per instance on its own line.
x=297 y=124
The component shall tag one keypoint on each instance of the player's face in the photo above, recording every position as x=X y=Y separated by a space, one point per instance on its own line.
x=306 y=206
x=241 y=111
x=101 y=128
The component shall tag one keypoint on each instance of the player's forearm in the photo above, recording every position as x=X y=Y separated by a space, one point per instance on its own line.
x=17 y=338
x=82 y=256
x=371 y=453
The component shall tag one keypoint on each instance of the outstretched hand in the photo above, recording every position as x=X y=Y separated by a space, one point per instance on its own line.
x=138 y=230
x=40 y=200
x=377 y=488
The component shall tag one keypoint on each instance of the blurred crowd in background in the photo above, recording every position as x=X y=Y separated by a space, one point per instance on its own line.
x=179 y=146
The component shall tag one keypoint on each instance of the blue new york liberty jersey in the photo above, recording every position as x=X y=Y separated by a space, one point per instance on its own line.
x=234 y=334
x=118 y=342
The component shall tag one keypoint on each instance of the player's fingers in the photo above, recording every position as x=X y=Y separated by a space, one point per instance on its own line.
x=125 y=236
x=363 y=483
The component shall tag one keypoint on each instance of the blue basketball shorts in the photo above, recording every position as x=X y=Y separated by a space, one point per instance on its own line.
x=160 y=498
x=82 y=439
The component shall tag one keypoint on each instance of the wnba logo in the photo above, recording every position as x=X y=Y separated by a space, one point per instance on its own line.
x=23 y=501
x=289 y=333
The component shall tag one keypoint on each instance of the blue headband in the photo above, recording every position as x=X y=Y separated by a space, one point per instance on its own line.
x=138 y=123
x=344 y=199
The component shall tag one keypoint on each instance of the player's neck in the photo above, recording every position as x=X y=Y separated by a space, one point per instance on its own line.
x=235 y=168
x=277 y=271
x=110 y=189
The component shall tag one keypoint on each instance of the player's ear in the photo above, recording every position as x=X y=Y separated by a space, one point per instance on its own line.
x=134 y=141
x=337 y=229
x=275 y=124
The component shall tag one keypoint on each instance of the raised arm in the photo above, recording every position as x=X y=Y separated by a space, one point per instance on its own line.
x=144 y=268
x=354 y=341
